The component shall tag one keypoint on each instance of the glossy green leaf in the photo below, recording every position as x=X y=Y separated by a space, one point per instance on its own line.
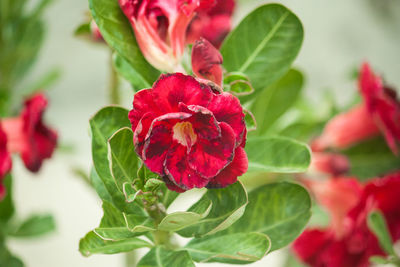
x=117 y=32
x=6 y=205
x=130 y=74
x=103 y=125
x=35 y=225
x=279 y=210
x=179 y=220
x=277 y=154
x=377 y=224
x=237 y=248
x=161 y=257
x=371 y=158
x=124 y=162
x=93 y=244
x=228 y=205
x=263 y=45
x=275 y=100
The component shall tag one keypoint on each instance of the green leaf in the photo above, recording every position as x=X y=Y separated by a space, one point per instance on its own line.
x=116 y=225
x=7 y=259
x=99 y=186
x=6 y=205
x=117 y=32
x=279 y=210
x=153 y=184
x=377 y=224
x=168 y=196
x=130 y=74
x=103 y=125
x=238 y=248
x=371 y=158
x=124 y=162
x=160 y=257
x=238 y=84
x=263 y=45
x=83 y=29
x=179 y=220
x=93 y=244
x=228 y=205
x=275 y=100
x=35 y=225
x=277 y=154
x=379 y=260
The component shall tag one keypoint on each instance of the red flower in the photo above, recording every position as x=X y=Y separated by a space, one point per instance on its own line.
x=206 y=61
x=212 y=23
x=382 y=104
x=353 y=246
x=5 y=160
x=380 y=112
x=28 y=136
x=189 y=135
x=329 y=163
x=160 y=28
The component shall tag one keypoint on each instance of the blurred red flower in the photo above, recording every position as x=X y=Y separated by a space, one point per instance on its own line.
x=379 y=113
x=28 y=135
x=212 y=23
x=188 y=134
x=348 y=242
x=5 y=160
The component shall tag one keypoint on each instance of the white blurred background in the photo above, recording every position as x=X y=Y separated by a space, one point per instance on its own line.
x=339 y=35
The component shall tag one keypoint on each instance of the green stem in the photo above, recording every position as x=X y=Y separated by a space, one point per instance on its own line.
x=114 y=85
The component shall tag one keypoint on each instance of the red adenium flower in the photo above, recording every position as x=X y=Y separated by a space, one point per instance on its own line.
x=329 y=163
x=380 y=112
x=206 y=61
x=28 y=136
x=160 y=28
x=354 y=243
x=5 y=160
x=188 y=134
x=212 y=23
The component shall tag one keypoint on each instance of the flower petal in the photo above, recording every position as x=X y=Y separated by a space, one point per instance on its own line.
x=142 y=104
x=204 y=123
x=206 y=61
x=172 y=89
x=5 y=158
x=141 y=130
x=40 y=140
x=159 y=140
x=347 y=129
x=172 y=186
x=209 y=157
x=179 y=171
x=226 y=108
x=231 y=172
x=310 y=244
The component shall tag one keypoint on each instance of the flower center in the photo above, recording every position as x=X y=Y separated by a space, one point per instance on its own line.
x=184 y=134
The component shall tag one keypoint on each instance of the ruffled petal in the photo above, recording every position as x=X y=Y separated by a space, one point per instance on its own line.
x=231 y=172
x=159 y=140
x=179 y=171
x=142 y=104
x=227 y=108
x=209 y=157
x=204 y=123
x=141 y=130
x=172 y=186
x=172 y=89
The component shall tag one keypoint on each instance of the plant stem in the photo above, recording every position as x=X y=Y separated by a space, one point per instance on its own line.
x=114 y=84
